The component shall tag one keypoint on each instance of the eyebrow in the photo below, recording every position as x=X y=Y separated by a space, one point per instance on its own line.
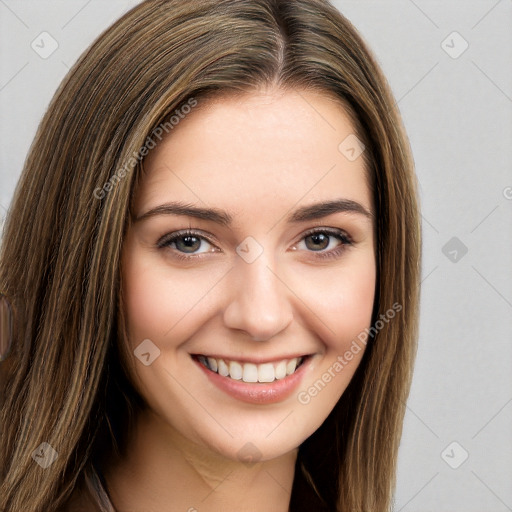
x=302 y=214
x=323 y=209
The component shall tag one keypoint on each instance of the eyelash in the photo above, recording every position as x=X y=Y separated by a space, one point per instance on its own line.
x=344 y=238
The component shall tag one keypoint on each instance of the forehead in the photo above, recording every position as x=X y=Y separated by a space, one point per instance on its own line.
x=260 y=151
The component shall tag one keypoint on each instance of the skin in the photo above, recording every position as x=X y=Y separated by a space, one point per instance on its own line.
x=258 y=157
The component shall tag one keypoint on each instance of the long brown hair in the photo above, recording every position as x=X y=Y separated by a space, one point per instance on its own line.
x=62 y=384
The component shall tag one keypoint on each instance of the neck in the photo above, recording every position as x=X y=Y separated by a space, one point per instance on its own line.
x=164 y=471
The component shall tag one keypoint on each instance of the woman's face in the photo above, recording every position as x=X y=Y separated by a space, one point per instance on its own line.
x=279 y=265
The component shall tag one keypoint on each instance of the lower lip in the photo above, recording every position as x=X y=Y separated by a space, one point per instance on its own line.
x=258 y=393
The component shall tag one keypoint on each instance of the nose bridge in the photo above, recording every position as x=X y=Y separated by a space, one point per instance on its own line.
x=259 y=301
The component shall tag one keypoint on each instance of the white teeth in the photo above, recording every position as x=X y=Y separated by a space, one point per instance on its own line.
x=250 y=372
x=280 y=371
x=212 y=363
x=291 y=365
x=235 y=370
x=223 y=368
x=266 y=372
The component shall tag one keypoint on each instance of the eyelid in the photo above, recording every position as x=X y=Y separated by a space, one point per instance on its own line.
x=346 y=242
x=329 y=231
x=170 y=237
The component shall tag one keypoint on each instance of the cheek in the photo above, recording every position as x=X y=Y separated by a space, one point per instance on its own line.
x=147 y=301
x=158 y=301
x=352 y=305
x=343 y=299
x=342 y=302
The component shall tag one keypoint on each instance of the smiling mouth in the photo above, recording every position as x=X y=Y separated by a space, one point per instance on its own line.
x=250 y=372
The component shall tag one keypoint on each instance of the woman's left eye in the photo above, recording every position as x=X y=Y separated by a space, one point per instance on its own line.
x=326 y=242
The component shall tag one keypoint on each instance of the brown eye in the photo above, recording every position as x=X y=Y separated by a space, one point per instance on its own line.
x=318 y=241
x=326 y=242
x=186 y=243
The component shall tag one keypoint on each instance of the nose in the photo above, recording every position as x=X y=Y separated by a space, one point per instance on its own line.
x=259 y=301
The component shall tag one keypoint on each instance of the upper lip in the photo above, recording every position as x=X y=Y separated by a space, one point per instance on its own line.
x=254 y=360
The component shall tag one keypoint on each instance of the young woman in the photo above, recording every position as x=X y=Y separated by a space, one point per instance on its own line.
x=211 y=266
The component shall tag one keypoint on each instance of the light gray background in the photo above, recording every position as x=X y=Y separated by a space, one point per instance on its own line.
x=458 y=114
